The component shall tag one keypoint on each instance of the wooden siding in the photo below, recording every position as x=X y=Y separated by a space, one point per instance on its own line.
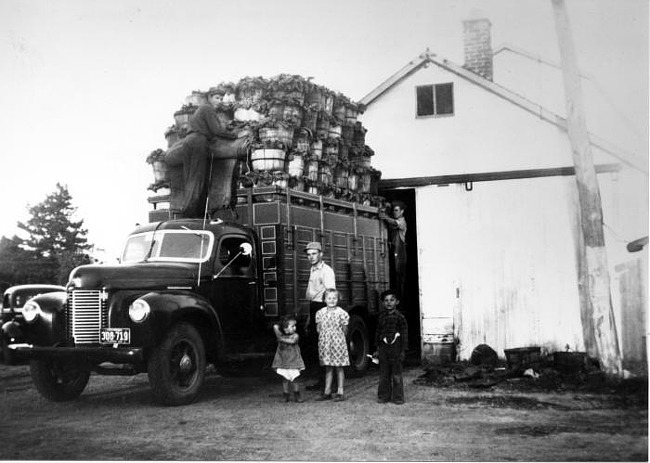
x=499 y=262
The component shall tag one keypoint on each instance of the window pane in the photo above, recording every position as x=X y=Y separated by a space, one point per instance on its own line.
x=231 y=249
x=425 y=100
x=184 y=245
x=444 y=99
x=136 y=248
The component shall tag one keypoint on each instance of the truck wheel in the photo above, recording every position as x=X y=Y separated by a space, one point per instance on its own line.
x=358 y=345
x=176 y=368
x=58 y=381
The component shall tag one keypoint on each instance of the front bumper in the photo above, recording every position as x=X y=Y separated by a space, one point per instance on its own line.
x=130 y=355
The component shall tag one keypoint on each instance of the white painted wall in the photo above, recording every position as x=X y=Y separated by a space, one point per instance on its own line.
x=486 y=133
x=504 y=273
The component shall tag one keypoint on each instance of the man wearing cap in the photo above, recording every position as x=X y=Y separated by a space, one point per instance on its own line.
x=321 y=278
x=205 y=124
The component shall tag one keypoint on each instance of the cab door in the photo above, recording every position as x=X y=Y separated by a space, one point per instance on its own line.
x=235 y=293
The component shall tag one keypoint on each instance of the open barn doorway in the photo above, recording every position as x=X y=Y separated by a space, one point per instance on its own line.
x=410 y=300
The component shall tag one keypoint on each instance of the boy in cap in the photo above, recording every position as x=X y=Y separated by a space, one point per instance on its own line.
x=391 y=339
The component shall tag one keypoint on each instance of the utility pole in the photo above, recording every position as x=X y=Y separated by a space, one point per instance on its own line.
x=595 y=290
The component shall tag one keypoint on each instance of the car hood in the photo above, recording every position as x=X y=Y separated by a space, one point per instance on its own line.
x=144 y=275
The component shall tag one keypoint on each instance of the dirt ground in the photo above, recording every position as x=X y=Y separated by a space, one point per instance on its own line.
x=243 y=418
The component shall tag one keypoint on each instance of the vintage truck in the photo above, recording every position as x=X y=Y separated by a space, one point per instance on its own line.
x=193 y=292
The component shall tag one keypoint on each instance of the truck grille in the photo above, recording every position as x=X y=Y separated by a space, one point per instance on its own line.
x=87 y=314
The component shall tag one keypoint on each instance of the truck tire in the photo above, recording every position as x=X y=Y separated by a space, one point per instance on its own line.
x=358 y=346
x=176 y=368
x=58 y=381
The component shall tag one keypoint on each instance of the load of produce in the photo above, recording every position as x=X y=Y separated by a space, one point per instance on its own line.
x=304 y=136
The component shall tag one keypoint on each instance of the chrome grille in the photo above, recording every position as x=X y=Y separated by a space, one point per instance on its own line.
x=87 y=315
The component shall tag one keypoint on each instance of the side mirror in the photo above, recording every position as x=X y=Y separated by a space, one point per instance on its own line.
x=246 y=249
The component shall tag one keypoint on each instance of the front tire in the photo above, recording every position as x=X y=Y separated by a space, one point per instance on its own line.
x=176 y=368
x=58 y=381
x=358 y=346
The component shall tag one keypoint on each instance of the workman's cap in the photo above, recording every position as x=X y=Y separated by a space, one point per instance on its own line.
x=314 y=245
x=216 y=91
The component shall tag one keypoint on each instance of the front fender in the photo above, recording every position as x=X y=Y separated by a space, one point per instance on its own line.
x=12 y=331
x=170 y=307
x=49 y=327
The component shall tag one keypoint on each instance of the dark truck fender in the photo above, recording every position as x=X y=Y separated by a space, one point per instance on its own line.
x=11 y=333
x=49 y=328
x=169 y=308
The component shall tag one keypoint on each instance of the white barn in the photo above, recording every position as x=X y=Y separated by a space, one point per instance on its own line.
x=492 y=205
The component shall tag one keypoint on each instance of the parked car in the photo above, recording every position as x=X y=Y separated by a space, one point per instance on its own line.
x=13 y=301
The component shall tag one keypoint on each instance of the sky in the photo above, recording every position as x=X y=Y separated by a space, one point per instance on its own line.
x=88 y=87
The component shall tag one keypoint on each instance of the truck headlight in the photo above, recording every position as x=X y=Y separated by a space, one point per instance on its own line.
x=31 y=311
x=139 y=310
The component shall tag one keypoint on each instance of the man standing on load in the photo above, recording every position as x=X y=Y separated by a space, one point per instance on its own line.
x=204 y=125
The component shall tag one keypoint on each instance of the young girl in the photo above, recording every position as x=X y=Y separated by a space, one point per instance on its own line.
x=288 y=361
x=332 y=325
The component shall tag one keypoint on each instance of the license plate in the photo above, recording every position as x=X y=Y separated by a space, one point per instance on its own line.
x=115 y=336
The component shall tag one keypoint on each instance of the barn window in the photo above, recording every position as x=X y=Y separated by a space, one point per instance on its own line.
x=435 y=100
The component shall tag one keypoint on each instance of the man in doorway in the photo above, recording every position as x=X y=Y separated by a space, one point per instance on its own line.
x=321 y=277
x=396 y=244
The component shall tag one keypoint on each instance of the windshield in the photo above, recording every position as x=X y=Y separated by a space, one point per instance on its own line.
x=169 y=245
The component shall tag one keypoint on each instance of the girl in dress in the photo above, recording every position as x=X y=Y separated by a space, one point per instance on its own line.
x=332 y=326
x=287 y=361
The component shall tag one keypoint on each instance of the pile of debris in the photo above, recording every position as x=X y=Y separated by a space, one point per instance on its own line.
x=305 y=137
x=525 y=369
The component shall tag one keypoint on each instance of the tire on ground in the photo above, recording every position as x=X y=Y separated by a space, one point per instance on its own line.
x=59 y=381
x=358 y=346
x=176 y=368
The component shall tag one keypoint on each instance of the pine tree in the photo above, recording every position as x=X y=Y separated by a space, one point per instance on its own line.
x=56 y=243
x=19 y=266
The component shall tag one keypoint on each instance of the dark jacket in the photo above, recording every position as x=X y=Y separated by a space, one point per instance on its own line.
x=390 y=323
x=206 y=122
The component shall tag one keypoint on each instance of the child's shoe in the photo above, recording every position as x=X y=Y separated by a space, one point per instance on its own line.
x=287 y=397
x=297 y=398
x=339 y=397
x=324 y=397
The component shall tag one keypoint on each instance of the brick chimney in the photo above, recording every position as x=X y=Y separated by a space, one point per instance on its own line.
x=478 y=46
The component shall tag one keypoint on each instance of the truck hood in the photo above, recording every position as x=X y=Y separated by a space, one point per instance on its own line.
x=145 y=275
